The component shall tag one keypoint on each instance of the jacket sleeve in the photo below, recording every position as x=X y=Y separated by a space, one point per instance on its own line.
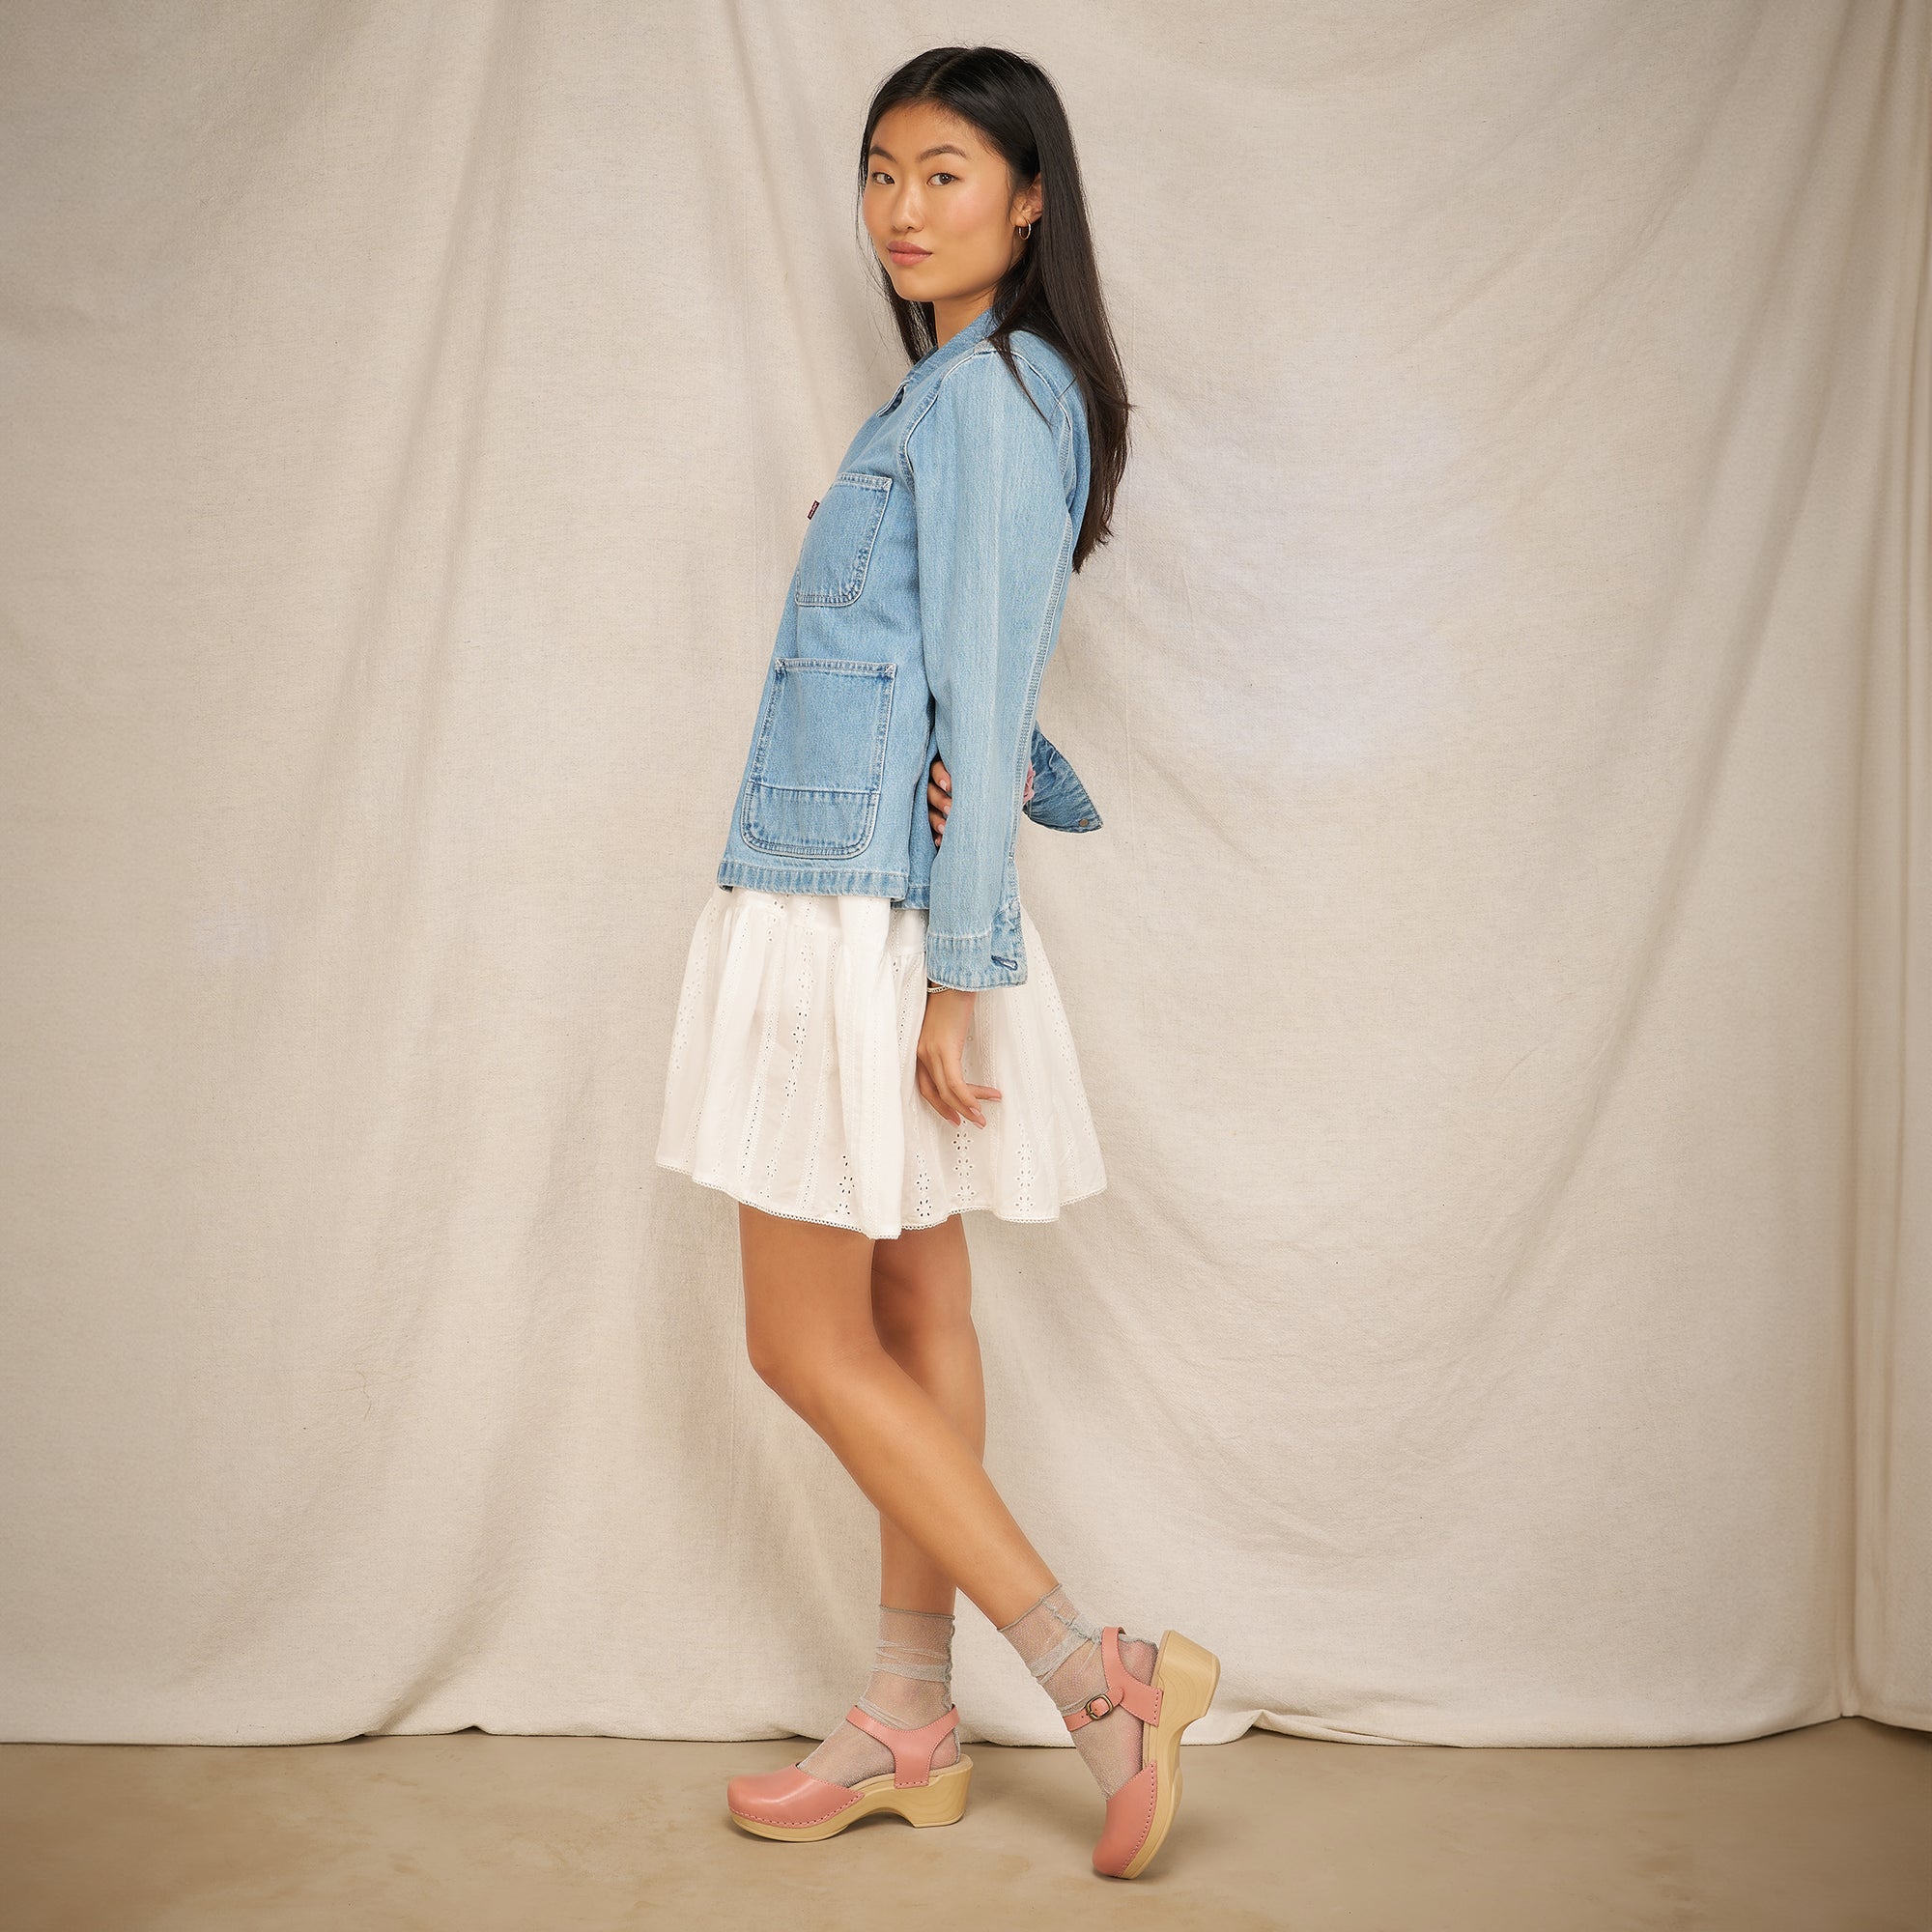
x=992 y=526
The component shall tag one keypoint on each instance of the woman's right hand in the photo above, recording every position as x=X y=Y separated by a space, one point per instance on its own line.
x=941 y=1041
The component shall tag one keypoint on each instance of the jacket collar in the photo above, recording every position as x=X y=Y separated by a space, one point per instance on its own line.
x=948 y=351
x=934 y=360
x=957 y=344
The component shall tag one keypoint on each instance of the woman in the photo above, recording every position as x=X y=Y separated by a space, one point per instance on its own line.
x=864 y=983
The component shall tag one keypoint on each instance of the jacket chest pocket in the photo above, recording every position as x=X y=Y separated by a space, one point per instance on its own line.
x=818 y=767
x=839 y=538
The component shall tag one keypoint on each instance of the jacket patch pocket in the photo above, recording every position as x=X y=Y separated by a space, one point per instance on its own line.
x=812 y=790
x=839 y=538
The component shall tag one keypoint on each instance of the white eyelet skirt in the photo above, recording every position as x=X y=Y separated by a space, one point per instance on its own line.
x=792 y=1082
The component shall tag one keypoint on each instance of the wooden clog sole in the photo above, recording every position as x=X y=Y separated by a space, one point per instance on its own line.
x=1185 y=1675
x=940 y=1800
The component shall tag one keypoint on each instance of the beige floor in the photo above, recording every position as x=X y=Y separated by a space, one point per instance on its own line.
x=1822 y=1830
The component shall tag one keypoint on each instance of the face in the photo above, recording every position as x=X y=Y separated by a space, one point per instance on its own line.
x=942 y=212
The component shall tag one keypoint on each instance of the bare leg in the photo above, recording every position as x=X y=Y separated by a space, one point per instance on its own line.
x=810 y=1334
x=922 y=1312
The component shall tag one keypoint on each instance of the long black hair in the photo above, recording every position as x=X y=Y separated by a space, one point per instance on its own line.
x=1053 y=288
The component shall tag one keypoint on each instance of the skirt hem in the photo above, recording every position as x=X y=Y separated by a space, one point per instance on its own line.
x=905 y=1227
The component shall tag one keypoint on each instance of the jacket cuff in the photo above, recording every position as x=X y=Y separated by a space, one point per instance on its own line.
x=966 y=963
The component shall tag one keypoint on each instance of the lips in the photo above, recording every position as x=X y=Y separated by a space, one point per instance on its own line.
x=906 y=256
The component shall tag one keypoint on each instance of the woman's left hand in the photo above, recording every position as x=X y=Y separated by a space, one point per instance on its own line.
x=938 y=797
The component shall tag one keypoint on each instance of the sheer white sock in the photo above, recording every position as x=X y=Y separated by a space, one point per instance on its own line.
x=1062 y=1648
x=911 y=1683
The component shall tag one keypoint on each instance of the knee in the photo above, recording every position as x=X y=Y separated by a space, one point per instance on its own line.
x=806 y=1374
x=771 y=1361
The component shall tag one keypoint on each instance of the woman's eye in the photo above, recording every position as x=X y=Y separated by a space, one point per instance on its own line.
x=942 y=175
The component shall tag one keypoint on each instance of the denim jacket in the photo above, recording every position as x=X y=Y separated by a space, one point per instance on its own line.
x=920 y=619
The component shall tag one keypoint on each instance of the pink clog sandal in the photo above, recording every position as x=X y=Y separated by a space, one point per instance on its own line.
x=794 y=1804
x=1140 y=1813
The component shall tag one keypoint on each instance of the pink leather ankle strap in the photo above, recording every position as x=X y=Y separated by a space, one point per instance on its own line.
x=913 y=1751
x=1123 y=1689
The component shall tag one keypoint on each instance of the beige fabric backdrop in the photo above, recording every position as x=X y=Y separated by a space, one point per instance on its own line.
x=1502 y=982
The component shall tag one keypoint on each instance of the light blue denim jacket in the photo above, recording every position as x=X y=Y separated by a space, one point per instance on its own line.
x=920 y=620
